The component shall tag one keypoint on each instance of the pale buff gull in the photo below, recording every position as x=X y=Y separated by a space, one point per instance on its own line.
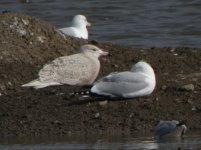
x=78 y=69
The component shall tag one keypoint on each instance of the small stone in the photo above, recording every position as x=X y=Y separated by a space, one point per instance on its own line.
x=131 y=115
x=9 y=83
x=188 y=87
x=193 y=108
x=11 y=26
x=21 y=32
x=189 y=101
x=115 y=65
x=40 y=39
x=26 y=22
x=97 y=115
x=84 y=98
x=57 y=122
x=102 y=103
x=164 y=87
x=172 y=50
x=58 y=94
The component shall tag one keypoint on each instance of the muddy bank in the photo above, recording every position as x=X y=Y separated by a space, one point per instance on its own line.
x=27 y=43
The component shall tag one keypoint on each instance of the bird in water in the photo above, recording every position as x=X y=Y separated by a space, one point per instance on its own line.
x=169 y=129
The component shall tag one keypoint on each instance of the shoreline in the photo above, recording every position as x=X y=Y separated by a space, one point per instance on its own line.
x=29 y=112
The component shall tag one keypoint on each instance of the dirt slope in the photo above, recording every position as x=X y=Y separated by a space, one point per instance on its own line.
x=27 y=43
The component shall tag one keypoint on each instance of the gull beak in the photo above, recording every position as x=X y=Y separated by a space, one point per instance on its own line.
x=88 y=24
x=103 y=53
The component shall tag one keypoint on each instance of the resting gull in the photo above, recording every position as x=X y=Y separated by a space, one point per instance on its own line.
x=167 y=129
x=78 y=69
x=78 y=28
x=139 y=81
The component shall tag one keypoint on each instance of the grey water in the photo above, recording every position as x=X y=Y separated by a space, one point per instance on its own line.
x=135 y=142
x=137 y=23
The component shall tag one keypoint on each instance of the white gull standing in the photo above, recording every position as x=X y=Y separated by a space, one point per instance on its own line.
x=78 y=69
x=140 y=81
x=78 y=28
x=169 y=129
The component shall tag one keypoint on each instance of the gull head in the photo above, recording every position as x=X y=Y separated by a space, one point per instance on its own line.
x=182 y=127
x=80 y=21
x=143 y=67
x=92 y=50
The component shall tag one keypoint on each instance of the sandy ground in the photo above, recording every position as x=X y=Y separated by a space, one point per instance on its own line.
x=27 y=43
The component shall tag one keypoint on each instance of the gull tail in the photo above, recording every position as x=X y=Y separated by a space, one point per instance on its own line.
x=38 y=84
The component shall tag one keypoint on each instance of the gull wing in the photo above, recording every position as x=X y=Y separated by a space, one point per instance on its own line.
x=71 y=31
x=120 y=84
x=73 y=70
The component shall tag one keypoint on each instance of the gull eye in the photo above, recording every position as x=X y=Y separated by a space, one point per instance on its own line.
x=94 y=49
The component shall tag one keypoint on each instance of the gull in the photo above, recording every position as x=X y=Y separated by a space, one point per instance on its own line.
x=78 y=28
x=78 y=69
x=140 y=81
x=167 y=129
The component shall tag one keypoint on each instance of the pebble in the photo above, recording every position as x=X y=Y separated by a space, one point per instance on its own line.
x=57 y=122
x=102 y=103
x=40 y=39
x=22 y=32
x=84 y=98
x=164 y=87
x=172 y=50
x=188 y=87
x=193 y=108
x=189 y=101
x=9 y=83
x=26 y=22
x=115 y=66
x=97 y=115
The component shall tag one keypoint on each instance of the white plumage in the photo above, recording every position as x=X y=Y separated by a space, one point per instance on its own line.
x=140 y=81
x=78 y=28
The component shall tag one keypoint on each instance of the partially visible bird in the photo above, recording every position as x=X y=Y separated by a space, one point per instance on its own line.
x=169 y=129
x=78 y=69
x=78 y=28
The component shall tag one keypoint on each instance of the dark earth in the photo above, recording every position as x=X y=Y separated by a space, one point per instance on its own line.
x=28 y=43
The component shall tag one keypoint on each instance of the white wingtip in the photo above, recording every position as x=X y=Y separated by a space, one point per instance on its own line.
x=37 y=84
x=94 y=89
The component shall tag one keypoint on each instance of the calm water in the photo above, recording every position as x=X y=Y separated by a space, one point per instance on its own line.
x=138 y=23
x=190 y=141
